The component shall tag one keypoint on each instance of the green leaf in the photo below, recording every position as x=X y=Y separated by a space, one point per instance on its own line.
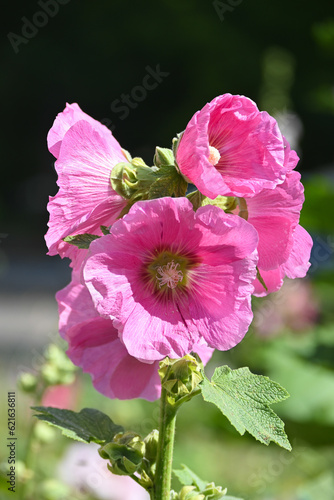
x=87 y=425
x=244 y=398
x=169 y=183
x=81 y=240
x=188 y=478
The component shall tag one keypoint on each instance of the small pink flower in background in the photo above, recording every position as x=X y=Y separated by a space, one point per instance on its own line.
x=61 y=396
x=95 y=347
x=230 y=148
x=169 y=277
x=84 y=470
x=86 y=152
x=294 y=307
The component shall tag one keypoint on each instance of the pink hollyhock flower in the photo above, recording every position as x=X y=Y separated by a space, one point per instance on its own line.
x=95 y=347
x=86 y=152
x=275 y=215
x=230 y=148
x=168 y=276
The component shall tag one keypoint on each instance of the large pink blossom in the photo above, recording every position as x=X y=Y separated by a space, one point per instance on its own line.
x=168 y=276
x=86 y=152
x=230 y=148
x=95 y=347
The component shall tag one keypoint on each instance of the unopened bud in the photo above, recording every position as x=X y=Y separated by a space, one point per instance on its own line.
x=151 y=446
x=27 y=382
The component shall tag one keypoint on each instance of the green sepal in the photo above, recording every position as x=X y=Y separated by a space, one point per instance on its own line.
x=187 y=477
x=244 y=398
x=125 y=453
x=105 y=230
x=87 y=425
x=261 y=280
x=196 y=198
x=175 y=142
x=196 y=489
x=168 y=183
x=81 y=241
x=124 y=459
x=226 y=203
x=132 y=180
x=163 y=157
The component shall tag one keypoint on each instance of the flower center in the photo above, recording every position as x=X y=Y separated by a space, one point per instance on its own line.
x=170 y=275
x=214 y=155
x=167 y=271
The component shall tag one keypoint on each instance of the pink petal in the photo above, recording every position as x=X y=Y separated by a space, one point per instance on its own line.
x=298 y=263
x=64 y=121
x=85 y=199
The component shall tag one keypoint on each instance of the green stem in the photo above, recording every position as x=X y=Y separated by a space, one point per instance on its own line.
x=165 y=449
x=30 y=455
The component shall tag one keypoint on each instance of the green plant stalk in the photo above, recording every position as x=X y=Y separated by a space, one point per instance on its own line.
x=163 y=473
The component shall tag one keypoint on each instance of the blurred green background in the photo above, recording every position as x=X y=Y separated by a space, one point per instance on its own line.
x=280 y=54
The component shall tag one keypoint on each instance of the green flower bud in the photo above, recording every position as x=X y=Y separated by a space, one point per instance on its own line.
x=27 y=382
x=51 y=489
x=213 y=492
x=180 y=377
x=151 y=446
x=44 y=432
x=132 y=180
x=187 y=492
x=58 y=368
x=125 y=453
x=163 y=157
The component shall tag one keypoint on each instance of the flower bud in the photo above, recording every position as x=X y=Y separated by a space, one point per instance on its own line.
x=163 y=157
x=27 y=382
x=125 y=453
x=180 y=377
x=189 y=492
x=151 y=446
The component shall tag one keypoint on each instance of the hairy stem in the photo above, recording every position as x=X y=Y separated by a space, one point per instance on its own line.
x=165 y=450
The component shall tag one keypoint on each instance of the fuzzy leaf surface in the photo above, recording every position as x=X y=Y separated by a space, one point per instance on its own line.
x=244 y=398
x=87 y=425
